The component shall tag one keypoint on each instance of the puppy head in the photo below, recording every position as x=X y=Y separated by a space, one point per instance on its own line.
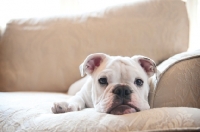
x=119 y=84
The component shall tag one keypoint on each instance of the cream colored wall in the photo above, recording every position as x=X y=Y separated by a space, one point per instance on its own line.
x=193 y=8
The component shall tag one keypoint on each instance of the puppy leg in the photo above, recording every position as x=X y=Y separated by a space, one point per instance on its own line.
x=78 y=102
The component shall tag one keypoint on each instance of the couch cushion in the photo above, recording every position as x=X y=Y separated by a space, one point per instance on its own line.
x=44 y=54
x=179 y=83
x=20 y=111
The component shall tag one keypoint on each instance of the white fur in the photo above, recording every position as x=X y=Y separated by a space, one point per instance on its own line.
x=118 y=70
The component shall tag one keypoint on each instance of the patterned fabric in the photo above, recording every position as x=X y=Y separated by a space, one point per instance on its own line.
x=30 y=112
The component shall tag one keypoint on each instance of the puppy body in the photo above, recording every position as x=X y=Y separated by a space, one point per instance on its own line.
x=114 y=84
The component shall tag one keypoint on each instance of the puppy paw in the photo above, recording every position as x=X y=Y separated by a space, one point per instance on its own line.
x=62 y=107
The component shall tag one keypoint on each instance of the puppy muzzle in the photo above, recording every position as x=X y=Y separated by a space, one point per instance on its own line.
x=121 y=102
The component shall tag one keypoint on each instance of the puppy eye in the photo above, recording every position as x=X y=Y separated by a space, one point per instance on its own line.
x=138 y=82
x=103 y=81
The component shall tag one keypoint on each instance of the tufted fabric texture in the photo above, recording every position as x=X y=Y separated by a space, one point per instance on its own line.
x=179 y=83
x=30 y=112
x=44 y=54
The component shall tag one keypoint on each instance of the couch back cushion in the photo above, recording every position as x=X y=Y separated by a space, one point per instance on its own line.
x=44 y=54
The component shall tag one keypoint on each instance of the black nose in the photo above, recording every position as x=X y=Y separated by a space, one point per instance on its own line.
x=122 y=91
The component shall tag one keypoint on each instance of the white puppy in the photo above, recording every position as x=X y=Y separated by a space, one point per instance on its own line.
x=114 y=84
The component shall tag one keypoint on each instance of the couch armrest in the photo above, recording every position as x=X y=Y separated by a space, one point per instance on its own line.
x=0 y=33
x=178 y=83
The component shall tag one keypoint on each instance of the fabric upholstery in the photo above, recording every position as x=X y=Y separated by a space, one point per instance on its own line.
x=44 y=54
x=179 y=83
x=31 y=112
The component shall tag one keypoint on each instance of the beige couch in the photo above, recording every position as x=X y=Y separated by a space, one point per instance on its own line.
x=39 y=60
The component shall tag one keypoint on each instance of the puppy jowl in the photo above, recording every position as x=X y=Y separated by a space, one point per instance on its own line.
x=119 y=85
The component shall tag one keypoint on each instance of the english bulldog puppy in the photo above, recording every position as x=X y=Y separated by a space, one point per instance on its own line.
x=114 y=85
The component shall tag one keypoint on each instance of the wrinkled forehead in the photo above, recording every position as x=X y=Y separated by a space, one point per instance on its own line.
x=121 y=62
x=123 y=68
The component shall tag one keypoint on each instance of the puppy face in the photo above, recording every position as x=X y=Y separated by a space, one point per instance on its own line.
x=120 y=84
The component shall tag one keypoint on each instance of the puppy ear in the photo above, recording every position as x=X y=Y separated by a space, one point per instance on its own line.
x=147 y=64
x=91 y=62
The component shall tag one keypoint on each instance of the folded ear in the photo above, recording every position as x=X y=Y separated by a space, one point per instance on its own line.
x=147 y=64
x=91 y=62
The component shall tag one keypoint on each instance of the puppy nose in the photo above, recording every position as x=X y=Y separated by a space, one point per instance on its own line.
x=122 y=91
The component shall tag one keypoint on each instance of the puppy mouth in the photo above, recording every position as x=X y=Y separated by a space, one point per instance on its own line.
x=123 y=109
